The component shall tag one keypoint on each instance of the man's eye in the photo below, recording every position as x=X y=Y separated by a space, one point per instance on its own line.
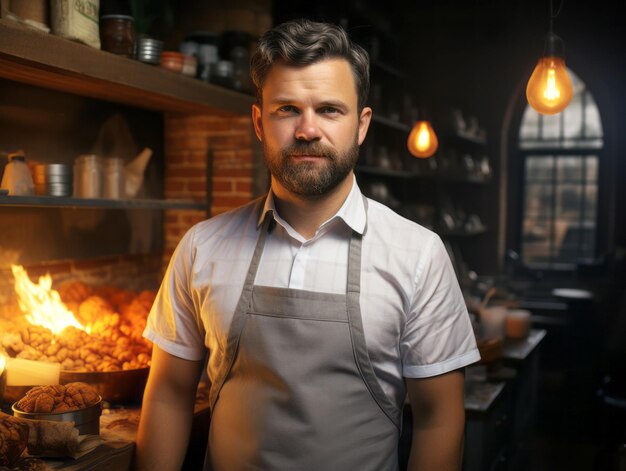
x=329 y=110
x=287 y=109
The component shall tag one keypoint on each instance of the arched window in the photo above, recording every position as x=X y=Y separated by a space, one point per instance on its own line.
x=560 y=159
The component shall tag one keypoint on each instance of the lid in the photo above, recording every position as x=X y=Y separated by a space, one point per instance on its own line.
x=19 y=156
x=172 y=55
x=117 y=17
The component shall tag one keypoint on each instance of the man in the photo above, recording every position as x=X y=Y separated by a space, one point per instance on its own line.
x=320 y=309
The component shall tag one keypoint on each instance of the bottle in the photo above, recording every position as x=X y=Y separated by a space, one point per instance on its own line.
x=17 y=178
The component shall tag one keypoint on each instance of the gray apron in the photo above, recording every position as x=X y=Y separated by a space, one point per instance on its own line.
x=295 y=389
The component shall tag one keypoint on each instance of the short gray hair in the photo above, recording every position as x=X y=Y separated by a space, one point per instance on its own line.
x=304 y=42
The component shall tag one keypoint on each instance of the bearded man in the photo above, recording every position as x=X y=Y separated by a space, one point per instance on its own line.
x=318 y=311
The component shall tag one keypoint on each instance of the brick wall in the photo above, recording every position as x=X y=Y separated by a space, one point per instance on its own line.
x=192 y=141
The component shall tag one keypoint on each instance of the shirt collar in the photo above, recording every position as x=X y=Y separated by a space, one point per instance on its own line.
x=352 y=211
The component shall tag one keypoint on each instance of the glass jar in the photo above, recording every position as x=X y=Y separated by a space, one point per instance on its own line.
x=88 y=176
x=117 y=34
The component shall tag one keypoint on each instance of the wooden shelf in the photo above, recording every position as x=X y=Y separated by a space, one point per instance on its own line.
x=406 y=174
x=45 y=60
x=384 y=172
x=97 y=203
x=467 y=138
x=453 y=177
x=391 y=123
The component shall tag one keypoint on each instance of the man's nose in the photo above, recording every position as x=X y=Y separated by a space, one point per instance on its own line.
x=308 y=127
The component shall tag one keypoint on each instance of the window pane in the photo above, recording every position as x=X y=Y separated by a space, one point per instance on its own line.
x=591 y=170
x=568 y=202
x=573 y=118
x=591 y=198
x=536 y=242
x=569 y=168
x=538 y=200
x=551 y=127
x=593 y=124
x=530 y=125
x=539 y=168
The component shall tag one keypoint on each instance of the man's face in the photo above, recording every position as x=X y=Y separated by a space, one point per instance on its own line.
x=310 y=127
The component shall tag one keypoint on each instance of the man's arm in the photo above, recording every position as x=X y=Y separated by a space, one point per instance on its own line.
x=438 y=422
x=166 y=412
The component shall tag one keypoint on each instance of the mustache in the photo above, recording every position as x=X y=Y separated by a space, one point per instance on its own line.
x=308 y=148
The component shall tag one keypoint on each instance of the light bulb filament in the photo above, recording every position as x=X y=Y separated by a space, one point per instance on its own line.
x=551 y=92
x=423 y=138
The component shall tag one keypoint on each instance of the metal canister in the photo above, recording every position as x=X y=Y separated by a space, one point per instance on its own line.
x=58 y=179
x=88 y=176
x=114 y=178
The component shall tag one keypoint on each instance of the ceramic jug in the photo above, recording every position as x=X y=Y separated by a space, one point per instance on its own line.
x=17 y=178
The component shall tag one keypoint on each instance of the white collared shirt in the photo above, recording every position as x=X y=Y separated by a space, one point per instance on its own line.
x=414 y=315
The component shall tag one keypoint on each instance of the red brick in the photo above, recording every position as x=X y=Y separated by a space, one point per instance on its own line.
x=174 y=185
x=186 y=143
x=245 y=154
x=186 y=172
x=196 y=186
x=243 y=186
x=230 y=201
x=222 y=186
x=235 y=141
x=233 y=172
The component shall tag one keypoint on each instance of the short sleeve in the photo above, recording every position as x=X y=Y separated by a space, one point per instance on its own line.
x=438 y=335
x=174 y=323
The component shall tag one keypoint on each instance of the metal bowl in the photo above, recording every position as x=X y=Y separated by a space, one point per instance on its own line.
x=86 y=420
x=125 y=386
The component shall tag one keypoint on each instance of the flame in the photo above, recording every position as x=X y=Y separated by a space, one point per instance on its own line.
x=3 y=362
x=41 y=304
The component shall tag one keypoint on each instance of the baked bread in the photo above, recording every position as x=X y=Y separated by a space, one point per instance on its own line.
x=58 y=398
x=13 y=439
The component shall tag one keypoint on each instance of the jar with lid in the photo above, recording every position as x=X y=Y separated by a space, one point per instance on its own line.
x=88 y=176
x=117 y=34
x=17 y=177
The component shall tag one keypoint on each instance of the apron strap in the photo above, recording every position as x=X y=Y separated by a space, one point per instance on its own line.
x=239 y=317
x=357 y=334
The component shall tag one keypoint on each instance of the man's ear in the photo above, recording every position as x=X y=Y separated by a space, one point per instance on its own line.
x=256 y=120
x=364 y=123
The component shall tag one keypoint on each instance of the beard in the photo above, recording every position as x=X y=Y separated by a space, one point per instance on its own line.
x=311 y=180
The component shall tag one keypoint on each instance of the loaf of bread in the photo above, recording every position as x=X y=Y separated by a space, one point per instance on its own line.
x=58 y=398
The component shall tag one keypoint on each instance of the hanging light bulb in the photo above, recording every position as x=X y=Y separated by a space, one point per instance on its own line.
x=549 y=88
x=422 y=141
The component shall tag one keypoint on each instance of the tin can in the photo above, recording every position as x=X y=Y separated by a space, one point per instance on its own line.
x=88 y=176
x=114 y=178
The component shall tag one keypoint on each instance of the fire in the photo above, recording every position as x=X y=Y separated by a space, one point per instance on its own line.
x=3 y=362
x=41 y=304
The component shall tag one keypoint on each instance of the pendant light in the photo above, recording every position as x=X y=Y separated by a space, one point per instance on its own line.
x=422 y=141
x=549 y=88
